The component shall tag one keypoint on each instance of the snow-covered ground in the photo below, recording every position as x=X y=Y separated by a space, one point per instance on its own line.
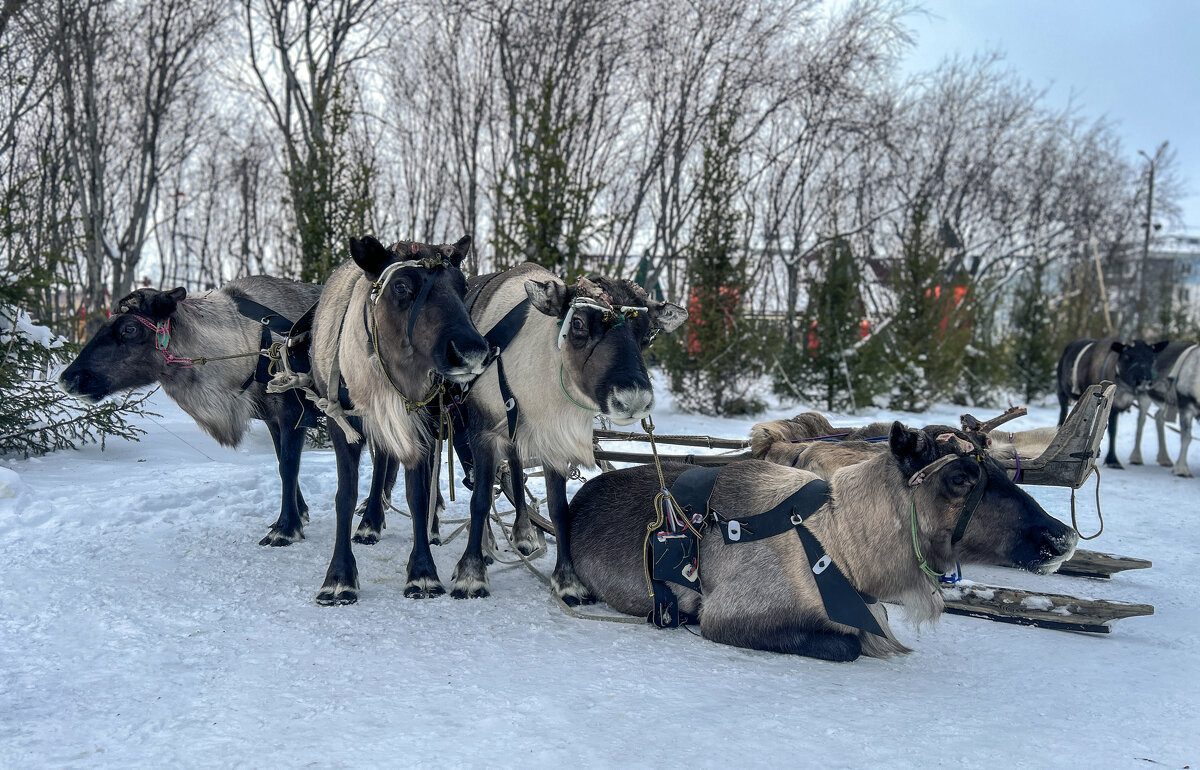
x=141 y=626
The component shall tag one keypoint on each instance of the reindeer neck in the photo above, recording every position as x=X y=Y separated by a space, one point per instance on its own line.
x=865 y=529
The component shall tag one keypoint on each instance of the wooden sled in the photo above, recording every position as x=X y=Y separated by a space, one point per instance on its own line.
x=1070 y=455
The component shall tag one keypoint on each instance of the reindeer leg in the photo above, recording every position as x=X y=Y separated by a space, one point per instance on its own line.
x=1160 y=427
x=789 y=637
x=470 y=575
x=1186 y=415
x=289 y=442
x=526 y=537
x=565 y=584
x=1111 y=458
x=383 y=478
x=435 y=521
x=341 y=579
x=1143 y=407
x=423 y=582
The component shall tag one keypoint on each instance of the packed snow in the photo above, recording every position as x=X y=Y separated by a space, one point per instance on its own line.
x=142 y=626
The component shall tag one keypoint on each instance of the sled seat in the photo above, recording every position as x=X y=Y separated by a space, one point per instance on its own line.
x=1062 y=457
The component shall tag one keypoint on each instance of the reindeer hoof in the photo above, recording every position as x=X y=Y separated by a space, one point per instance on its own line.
x=367 y=534
x=531 y=543
x=1114 y=464
x=570 y=589
x=1165 y=462
x=470 y=592
x=338 y=593
x=277 y=537
x=424 y=588
x=1182 y=472
x=470 y=582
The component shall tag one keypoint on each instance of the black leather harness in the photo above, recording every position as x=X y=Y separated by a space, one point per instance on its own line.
x=675 y=555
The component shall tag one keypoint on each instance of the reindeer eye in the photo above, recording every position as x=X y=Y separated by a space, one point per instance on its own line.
x=128 y=331
x=960 y=480
x=577 y=324
x=401 y=288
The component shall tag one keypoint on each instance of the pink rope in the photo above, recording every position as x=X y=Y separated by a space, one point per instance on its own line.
x=162 y=338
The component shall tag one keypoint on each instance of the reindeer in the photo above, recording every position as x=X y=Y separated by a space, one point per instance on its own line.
x=887 y=524
x=567 y=354
x=1009 y=528
x=164 y=337
x=1086 y=362
x=390 y=332
x=1176 y=387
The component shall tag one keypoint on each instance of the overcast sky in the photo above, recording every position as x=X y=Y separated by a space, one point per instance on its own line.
x=1136 y=61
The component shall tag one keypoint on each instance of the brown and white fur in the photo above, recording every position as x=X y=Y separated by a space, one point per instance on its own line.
x=762 y=594
x=444 y=344
x=122 y=355
x=600 y=366
x=1008 y=528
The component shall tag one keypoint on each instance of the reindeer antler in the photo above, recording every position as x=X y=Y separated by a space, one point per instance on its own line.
x=972 y=425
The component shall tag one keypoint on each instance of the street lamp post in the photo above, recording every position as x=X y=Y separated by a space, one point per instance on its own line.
x=1141 y=303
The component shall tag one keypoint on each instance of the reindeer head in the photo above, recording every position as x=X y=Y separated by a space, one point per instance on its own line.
x=606 y=324
x=128 y=350
x=416 y=302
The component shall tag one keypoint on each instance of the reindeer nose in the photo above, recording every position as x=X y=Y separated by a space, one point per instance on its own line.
x=1058 y=544
x=471 y=359
x=70 y=381
x=634 y=402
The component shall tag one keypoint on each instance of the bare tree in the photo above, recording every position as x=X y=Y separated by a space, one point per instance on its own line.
x=124 y=72
x=302 y=58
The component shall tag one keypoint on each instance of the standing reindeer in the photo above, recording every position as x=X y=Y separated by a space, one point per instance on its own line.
x=887 y=521
x=1088 y=362
x=1176 y=387
x=567 y=354
x=164 y=337
x=389 y=332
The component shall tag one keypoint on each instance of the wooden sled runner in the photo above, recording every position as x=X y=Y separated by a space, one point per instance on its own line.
x=1027 y=608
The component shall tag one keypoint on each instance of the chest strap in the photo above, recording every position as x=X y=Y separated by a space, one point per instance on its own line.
x=498 y=338
x=843 y=602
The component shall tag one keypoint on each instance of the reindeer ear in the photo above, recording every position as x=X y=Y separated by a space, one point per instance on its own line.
x=458 y=252
x=163 y=305
x=667 y=316
x=903 y=441
x=1158 y=347
x=1118 y=346
x=549 y=297
x=370 y=255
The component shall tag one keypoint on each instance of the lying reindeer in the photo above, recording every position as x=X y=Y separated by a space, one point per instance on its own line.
x=164 y=337
x=1009 y=529
x=889 y=521
x=389 y=331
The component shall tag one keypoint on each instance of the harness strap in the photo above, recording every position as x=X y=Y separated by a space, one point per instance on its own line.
x=673 y=555
x=1075 y=391
x=843 y=603
x=499 y=337
x=973 y=498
